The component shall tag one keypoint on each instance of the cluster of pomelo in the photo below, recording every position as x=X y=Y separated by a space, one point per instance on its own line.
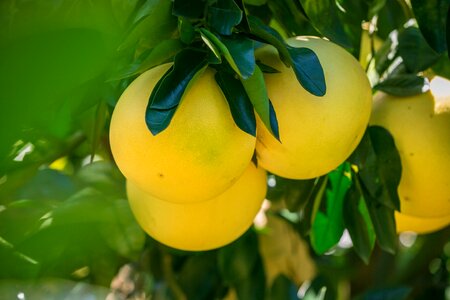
x=420 y=126
x=194 y=186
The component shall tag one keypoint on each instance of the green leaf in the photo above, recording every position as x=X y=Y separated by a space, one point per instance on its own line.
x=283 y=288
x=238 y=51
x=431 y=15
x=403 y=85
x=240 y=105
x=167 y=94
x=240 y=264
x=255 y=2
x=223 y=16
x=242 y=53
x=193 y=9
x=323 y=14
x=396 y=293
x=308 y=70
x=328 y=226
x=266 y=68
x=379 y=166
x=270 y=36
x=161 y=53
x=187 y=30
x=383 y=221
x=358 y=223
x=416 y=53
x=256 y=90
x=375 y=7
x=155 y=24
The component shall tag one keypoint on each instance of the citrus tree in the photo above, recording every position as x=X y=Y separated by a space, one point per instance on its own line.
x=225 y=149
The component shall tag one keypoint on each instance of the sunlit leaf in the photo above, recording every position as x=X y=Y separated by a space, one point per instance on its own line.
x=328 y=225
x=256 y=91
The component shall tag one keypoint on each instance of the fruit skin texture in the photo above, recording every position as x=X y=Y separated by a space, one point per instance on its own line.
x=203 y=225
x=317 y=133
x=420 y=225
x=422 y=139
x=199 y=155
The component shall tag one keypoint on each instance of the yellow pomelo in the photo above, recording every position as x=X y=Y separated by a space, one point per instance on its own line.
x=317 y=133
x=422 y=137
x=420 y=225
x=203 y=225
x=198 y=156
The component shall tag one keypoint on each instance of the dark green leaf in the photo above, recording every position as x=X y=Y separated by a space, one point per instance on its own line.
x=223 y=16
x=238 y=51
x=396 y=293
x=266 y=68
x=431 y=15
x=154 y=26
x=255 y=2
x=416 y=53
x=328 y=226
x=193 y=9
x=375 y=7
x=323 y=14
x=242 y=53
x=187 y=30
x=383 y=221
x=161 y=53
x=256 y=91
x=168 y=92
x=48 y=184
x=240 y=264
x=240 y=106
x=403 y=85
x=358 y=223
x=283 y=288
x=270 y=36
x=308 y=70
x=379 y=166
x=442 y=67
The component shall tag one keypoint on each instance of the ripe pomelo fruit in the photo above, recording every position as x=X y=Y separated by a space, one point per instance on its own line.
x=420 y=126
x=203 y=225
x=198 y=156
x=420 y=225
x=317 y=133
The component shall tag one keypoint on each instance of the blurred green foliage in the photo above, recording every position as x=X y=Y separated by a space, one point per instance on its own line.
x=66 y=229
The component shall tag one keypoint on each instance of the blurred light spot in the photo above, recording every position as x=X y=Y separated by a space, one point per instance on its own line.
x=81 y=272
x=439 y=87
x=271 y=181
x=447 y=265
x=2 y=208
x=21 y=296
x=3 y=179
x=447 y=249
x=330 y=252
x=393 y=50
x=59 y=164
x=303 y=288
x=346 y=241
x=434 y=265
x=407 y=238
x=291 y=216
x=89 y=159
x=260 y=220
x=447 y=293
x=26 y=149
